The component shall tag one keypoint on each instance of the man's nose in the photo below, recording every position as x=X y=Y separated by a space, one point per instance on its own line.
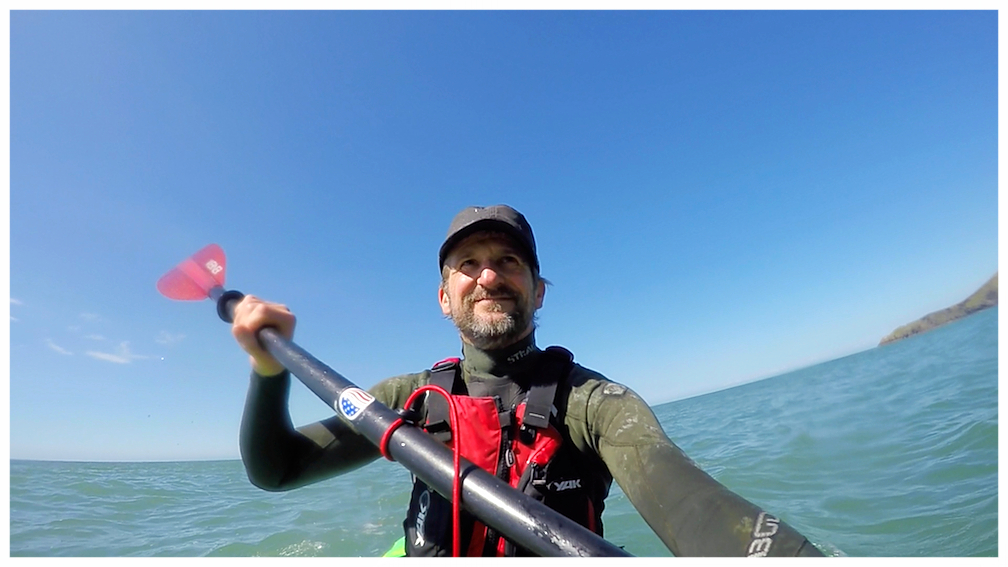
x=487 y=277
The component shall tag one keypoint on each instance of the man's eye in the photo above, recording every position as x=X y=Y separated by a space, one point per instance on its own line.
x=510 y=261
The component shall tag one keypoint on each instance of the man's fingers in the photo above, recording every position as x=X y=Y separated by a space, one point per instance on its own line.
x=252 y=314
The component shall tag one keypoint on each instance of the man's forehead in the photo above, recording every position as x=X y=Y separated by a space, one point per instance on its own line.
x=486 y=238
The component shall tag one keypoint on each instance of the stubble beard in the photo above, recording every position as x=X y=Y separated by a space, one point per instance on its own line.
x=498 y=327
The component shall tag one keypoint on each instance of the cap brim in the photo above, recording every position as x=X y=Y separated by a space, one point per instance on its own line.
x=487 y=225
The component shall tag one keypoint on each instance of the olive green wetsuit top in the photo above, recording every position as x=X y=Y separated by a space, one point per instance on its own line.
x=693 y=514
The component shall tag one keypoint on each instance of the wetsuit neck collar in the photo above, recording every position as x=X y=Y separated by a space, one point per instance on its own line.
x=499 y=362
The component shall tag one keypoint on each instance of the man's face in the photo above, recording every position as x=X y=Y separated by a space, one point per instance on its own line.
x=490 y=292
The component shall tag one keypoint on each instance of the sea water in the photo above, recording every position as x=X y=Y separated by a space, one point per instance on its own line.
x=888 y=452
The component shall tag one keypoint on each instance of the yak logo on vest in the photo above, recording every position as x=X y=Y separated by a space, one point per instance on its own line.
x=561 y=485
x=421 y=518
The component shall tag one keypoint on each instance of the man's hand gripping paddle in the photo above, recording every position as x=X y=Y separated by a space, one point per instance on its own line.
x=521 y=519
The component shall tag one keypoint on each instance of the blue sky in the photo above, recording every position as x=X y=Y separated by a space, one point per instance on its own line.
x=718 y=197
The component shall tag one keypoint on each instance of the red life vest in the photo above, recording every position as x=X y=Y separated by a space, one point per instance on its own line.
x=519 y=445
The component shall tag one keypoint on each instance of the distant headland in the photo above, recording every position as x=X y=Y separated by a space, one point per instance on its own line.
x=986 y=296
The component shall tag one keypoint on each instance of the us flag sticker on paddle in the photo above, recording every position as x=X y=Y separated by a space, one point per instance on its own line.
x=352 y=402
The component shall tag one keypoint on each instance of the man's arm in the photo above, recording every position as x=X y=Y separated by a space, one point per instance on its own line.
x=693 y=514
x=279 y=457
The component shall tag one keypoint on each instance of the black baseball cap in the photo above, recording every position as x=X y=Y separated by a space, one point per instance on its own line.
x=497 y=217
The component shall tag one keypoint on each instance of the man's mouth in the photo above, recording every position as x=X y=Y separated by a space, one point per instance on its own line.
x=497 y=295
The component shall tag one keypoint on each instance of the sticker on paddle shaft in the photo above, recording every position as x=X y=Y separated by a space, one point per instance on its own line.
x=352 y=402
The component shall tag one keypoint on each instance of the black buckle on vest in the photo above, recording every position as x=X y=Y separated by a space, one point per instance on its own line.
x=537 y=476
x=527 y=434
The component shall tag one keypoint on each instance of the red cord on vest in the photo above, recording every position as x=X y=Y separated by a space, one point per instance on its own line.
x=456 y=481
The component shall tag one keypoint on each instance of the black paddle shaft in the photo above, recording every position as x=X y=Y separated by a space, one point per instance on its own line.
x=525 y=521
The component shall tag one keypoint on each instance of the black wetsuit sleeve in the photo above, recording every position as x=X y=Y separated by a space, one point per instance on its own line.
x=279 y=457
x=692 y=513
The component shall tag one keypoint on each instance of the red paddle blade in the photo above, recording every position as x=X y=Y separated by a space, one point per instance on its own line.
x=195 y=276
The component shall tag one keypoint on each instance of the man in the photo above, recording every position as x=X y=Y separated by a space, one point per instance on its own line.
x=556 y=430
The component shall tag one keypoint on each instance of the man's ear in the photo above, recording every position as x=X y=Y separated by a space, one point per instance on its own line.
x=540 y=293
x=443 y=300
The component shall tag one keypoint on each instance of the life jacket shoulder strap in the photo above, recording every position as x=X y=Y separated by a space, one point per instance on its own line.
x=444 y=374
x=539 y=403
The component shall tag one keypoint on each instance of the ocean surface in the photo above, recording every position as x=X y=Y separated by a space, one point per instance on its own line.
x=888 y=452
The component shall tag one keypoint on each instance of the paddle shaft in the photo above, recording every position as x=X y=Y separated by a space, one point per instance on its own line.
x=525 y=521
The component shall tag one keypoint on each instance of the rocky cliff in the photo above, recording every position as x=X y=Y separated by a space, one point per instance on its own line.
x=986 y=296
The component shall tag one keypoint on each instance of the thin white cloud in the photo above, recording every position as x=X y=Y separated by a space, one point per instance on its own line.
x=122 y=354
x=74 y=328
x=13 y=318
x=166 y=338
x=58 y=348
x=108 y=357
x=95 y=337
x=15 y=301
x=89 y=316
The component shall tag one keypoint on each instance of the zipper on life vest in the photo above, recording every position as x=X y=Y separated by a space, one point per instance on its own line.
x=507 y=458
x=504 y=463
